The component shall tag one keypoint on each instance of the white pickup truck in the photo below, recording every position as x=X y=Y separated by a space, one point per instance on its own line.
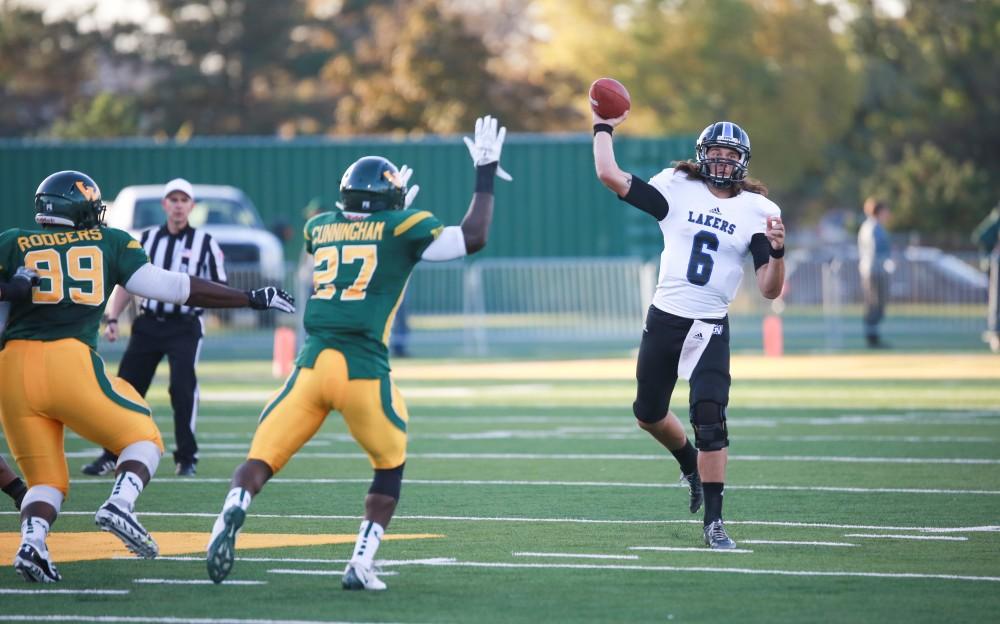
x=225 y=212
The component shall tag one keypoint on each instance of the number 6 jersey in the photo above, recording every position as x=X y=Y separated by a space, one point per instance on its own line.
x=705 y=242
x=361 y=263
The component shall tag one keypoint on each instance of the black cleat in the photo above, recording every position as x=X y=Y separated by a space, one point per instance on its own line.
x=125 y=526
x=717 y=538
x=695 y=492
x=103 y=465
x=185 y=469
x=35 y=567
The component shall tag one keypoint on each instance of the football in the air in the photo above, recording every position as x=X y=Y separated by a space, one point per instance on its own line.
x=609 y=98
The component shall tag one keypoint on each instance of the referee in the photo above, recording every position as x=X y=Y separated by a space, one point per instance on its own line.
x=168 y=329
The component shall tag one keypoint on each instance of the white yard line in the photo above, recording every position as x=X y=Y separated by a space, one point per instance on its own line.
x=354 y=517
x=689 y=549
x=713 y=570
x=620 y=457
x=393 y=562
x=162 y=581
x=611 y=484
x=103 y=592
x=795 y=543
x=572 y=555
x=943 y=538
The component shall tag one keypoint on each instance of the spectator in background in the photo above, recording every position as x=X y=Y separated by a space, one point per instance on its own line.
x=987 y=239
x=875 y=265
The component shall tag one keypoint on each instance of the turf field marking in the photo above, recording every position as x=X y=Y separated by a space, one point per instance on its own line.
x=104 y=592
x=689 y=549
x=943 y=538
x=624 y=457
x=648 y=568
x=796 y=543
x=611 y=484
x=572 y=555
x=163 y=581
x=354 y=517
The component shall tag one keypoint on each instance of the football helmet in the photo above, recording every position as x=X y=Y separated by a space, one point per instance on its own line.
x=372 y=184
x=69 y=198
x=723 y=134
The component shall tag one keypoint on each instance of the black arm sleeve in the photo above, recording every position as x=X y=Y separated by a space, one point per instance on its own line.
x=761 y=250
x=646 y=198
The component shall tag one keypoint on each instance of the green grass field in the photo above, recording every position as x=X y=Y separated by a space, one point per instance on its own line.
x=872 y=499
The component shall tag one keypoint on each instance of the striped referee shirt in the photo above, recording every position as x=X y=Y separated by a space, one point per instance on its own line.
x=189 y=251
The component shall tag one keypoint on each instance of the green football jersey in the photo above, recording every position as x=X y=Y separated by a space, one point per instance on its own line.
x=360 y=270
x=78 y=270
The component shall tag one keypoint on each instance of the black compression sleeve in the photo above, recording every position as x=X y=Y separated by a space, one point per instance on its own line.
x=15 y=290
x=646 y=198
x=761 y=250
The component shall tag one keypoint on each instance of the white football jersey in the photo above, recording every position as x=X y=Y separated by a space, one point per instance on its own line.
x=705 y=242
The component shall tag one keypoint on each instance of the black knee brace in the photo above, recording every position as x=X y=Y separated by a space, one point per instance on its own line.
x=709 y=422
x=388 y=482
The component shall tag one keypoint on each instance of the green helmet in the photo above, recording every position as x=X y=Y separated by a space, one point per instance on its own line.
x=371 y=184
x=69 y=198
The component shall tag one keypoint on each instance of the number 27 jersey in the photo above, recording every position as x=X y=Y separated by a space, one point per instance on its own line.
x=705 y=242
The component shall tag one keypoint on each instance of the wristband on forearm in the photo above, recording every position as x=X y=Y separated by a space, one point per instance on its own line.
x=776 y=253
x=603 y=127
x=485 y=175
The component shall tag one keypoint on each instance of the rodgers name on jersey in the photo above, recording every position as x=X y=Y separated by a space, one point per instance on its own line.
x=706 y=240
x=361 y=263
x=78 y=269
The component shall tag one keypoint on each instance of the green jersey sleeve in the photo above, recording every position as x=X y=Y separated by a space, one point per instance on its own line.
x=129 y=255
x=416 y=230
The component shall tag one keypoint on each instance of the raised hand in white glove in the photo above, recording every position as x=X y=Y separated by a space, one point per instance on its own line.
x=405 y=173
x=485 y=149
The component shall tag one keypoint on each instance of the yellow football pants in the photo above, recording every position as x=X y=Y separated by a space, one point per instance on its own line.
x=372 y=408
x=45 y=386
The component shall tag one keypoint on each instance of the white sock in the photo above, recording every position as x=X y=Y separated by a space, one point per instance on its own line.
x=237 y=497
x=369 y=538
x=127 y=488
x=34 y=530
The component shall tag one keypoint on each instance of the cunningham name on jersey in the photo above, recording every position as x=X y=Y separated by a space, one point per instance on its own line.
x=706 y=240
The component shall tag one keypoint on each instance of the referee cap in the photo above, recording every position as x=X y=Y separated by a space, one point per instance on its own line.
x=178 y=184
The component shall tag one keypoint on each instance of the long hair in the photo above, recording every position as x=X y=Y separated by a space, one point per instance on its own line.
x=693 y=171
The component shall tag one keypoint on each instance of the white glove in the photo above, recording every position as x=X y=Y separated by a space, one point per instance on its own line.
x=405 y=173
x=486 y=148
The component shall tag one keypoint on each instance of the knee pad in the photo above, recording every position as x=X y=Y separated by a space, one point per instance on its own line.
x=43 y=494
x=388 y=482
x=709 y=422
x=144 y=452
x=650 y=412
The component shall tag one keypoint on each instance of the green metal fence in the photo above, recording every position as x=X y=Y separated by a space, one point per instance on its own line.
x=554 y=207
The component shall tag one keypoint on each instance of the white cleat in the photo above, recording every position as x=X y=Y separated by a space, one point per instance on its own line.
x=356 y=576
x=222 y=549
x=126 y=527
x=35 y=565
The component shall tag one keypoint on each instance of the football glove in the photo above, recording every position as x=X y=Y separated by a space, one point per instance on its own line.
x=271 y=297
x=485 y=149
x=27 y=274
x=405 y=173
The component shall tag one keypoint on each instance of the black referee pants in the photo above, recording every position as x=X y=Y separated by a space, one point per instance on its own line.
x=178 y=338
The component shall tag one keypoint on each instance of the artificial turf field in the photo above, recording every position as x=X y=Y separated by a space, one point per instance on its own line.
x=861 y=488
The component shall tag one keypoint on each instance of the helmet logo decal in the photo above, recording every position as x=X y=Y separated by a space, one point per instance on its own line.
x=393 y=178
x=89 y=192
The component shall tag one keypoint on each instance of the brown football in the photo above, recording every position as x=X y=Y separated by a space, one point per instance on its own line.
x=609 y=98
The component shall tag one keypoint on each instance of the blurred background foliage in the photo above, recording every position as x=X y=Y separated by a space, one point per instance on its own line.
x=842 y=98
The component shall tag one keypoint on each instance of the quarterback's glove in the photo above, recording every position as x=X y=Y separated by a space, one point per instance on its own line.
x=405 y=173
x=486 y=148
x=271 y=297
x=27 y=274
